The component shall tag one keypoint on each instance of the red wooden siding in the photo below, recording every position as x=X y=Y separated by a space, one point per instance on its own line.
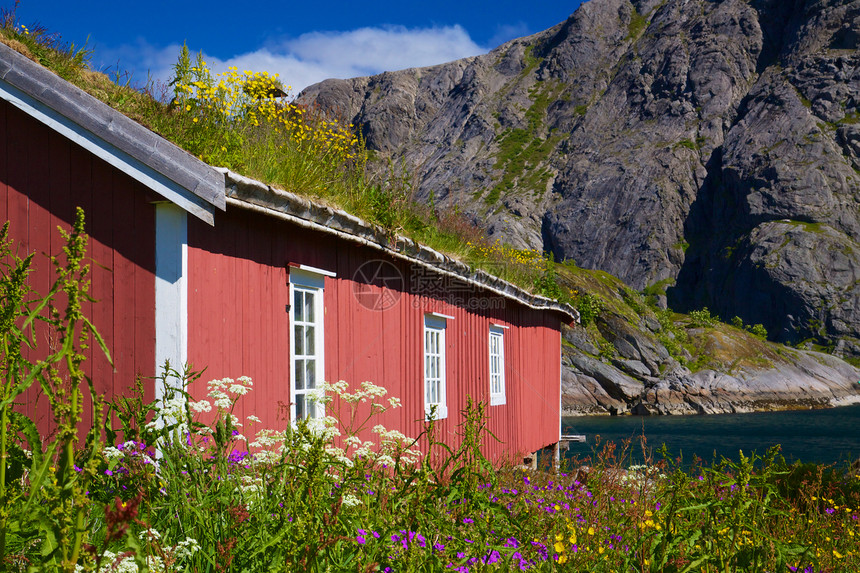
x=43 y=178
x=238 y=325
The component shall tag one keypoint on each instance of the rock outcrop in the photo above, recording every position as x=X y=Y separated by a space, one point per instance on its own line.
x=741 y=374
x=713 y=147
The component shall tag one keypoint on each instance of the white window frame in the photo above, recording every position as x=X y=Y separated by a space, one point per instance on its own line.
x=435 y=375
x=496 y=349
x=307 y=281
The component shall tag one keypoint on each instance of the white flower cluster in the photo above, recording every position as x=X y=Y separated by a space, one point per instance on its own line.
x=226 y=391
x=124 y=563
x=339 y=455
x=251 y=488
x=150 y=534
x=368 y=391
x=392 y=443
x=325 y=427
x=113 y=453
x=641 y=476
x=185 y=549
x=172 y=410
x=201 y=406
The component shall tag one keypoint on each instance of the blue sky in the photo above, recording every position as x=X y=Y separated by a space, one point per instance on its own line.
x=304 y=42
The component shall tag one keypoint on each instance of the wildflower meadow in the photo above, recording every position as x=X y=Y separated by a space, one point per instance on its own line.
x=183 y=484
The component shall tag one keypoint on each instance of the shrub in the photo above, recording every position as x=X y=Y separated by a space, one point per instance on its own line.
x=702 y=318
x=758 y=330
x=589 y=306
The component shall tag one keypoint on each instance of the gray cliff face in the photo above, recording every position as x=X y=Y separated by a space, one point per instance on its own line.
x=711 y=145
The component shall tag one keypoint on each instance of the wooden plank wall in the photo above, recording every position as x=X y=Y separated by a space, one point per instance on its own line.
x=43 y=178
x=238 y=325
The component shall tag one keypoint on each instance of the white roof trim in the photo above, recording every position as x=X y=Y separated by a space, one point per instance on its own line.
x=439 y=315
x=314 y=270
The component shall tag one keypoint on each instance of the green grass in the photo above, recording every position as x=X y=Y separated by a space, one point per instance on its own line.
x=637 y=25
x=522 y=151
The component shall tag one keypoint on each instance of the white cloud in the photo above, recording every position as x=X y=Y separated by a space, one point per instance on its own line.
x=509 y=32
x=314 y=56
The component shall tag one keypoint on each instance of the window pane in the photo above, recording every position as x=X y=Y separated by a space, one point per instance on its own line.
x=298 y=305
x=312 y=409
x=300 y=406
x=299 y=339
x=300 y=375
x=309 y=306
x=310 y=374
x=309 y=341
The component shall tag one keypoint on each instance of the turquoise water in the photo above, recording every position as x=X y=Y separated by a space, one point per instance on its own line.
x=822 y=436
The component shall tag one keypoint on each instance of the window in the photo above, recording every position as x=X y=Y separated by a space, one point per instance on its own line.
x=497 y=366
x=307 y=360
x=434 y=366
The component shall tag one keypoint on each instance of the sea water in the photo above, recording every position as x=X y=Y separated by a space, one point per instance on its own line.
x=823 y=436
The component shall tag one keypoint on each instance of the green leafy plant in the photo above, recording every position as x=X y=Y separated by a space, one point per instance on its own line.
x=589 y=306
x=50 y=502
x=703 y=318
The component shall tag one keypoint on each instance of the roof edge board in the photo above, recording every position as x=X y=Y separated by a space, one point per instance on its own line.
x=254 y=195
x=98 y=123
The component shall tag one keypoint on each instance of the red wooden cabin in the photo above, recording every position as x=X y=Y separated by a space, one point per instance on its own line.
x=197 y=265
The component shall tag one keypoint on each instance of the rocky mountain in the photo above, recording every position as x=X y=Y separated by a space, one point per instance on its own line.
x=708 y=150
